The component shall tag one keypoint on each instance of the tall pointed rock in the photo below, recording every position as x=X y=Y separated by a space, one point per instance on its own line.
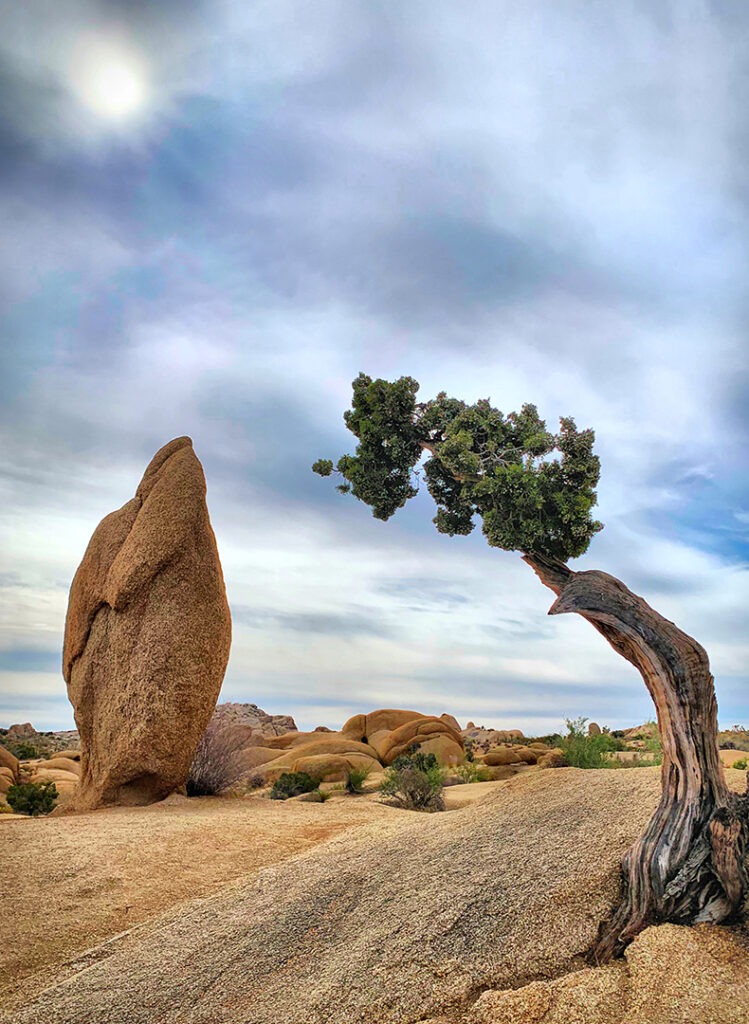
x=147 y=636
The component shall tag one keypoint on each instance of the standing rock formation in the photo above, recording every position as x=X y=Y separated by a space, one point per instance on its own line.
x=147 y=636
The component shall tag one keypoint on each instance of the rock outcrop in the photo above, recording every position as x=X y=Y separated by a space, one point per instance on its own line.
x=255 y=717
x=147 y=636
x=370 y=741
x=9 y=761
x=669 y=974
x=391 y=732
x=23 y=732
x=483 y=740
x=482 y=916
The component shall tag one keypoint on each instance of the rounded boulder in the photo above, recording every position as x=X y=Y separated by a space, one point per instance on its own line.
x=501 y=756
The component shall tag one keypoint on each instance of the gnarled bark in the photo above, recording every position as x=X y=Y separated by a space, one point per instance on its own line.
x=689 y=865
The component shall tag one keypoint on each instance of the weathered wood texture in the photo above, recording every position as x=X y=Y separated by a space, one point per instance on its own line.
x=690 y=863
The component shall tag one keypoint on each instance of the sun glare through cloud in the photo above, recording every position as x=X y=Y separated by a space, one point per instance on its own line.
x=108 y=80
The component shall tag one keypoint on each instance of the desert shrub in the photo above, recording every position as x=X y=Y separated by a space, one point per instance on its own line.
x=33 y=798
x=316 y=796
x=415 y=759
x=24 y=751
x=734 y=739
x=415 y=782
x=654 y=748
x=741 y=764
x=583 y=751
x=468 y=745
x=355 y=779
x=215 y=766
x=472 y=772
x=4 y=809
x=293 y=784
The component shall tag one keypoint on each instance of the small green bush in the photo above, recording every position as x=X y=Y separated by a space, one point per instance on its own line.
x=24 y=751
x=316 y=796
x=415 y=782
x=741 y=764
x=415 y=759
x=293 y=784
x=33 y=798
x=472 y=772
x=654 y=748
x=583 y=751
x=355 y=780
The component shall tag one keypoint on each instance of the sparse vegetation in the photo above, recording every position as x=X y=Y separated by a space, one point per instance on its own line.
x=355 y=780
x=583 y=751
x=415 y=782
x=316 y=796
x=215 y=767
x=471 y=772
x=293 y=784
x=742 y=764
x=32 y=798
x=736 y=738
x=24 y=751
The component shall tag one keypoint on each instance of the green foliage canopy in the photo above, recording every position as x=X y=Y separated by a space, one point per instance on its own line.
x=33 y=798
x=533 y=490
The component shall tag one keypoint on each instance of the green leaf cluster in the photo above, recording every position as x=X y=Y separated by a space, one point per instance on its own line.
x=415 y=782
x=293 y=784
x=32 y=798
x=533 y=491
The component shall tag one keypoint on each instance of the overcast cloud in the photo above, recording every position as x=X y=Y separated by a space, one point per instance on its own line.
x=532 y=201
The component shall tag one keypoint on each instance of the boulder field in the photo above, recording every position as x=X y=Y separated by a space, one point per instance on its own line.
x=147 y=636
x=370 y=741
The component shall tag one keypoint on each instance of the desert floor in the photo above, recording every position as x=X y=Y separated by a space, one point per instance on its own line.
x=71 y=882
x=345 y=911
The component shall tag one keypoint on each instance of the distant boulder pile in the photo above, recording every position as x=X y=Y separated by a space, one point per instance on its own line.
x=8 y=772
x=370 y=742
x=482 y=740
x=147 y=636
x=63 y=770
x=254 y=717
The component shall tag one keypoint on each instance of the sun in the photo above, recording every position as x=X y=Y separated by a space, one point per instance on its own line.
x=108 y=80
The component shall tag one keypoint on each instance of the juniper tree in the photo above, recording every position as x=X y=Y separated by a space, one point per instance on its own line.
x=534 y=491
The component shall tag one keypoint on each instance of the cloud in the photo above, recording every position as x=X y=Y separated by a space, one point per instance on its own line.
x=317 y=623
x=540 y=203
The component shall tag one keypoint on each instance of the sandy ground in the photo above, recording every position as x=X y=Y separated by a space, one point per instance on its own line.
x=277 y=874
x=70 y=882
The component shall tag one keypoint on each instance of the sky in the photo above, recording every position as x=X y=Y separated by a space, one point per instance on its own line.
x=216 y=214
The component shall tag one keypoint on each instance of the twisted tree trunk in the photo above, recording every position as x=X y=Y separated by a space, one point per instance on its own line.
x=690 y=863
